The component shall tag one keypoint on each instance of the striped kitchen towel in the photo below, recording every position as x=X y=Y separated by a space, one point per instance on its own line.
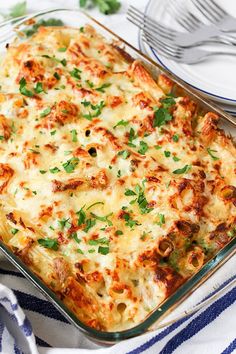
x=211 y=330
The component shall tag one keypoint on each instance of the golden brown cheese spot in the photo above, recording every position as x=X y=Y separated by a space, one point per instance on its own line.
x=5 y=128
x=31 y=70
x=6 y=173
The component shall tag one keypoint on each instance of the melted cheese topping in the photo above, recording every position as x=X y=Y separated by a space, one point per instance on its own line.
x=112 y=191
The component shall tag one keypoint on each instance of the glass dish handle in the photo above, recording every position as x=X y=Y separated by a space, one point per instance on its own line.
x=209 y=300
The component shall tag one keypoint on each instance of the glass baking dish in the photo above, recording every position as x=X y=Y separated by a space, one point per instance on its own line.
x=78 y=19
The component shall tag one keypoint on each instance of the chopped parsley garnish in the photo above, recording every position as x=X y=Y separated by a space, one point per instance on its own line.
x=42 y=172
x=39 y=87
x=81 y=29
x=76 y=73
x=122 y=122
x=167 y=153
x=143 y=147
x=23 y=89
x=50 y=22
x=175 y=138
x=80 y=251
x=57 y=76
x=92 y=250
x=99 y=241
x=82 y=216
x=54 y=170
x=176 y=159
x=45 y=113
x=34 y=151
x=119 y=173
x=74 y=135
x=167 y=102
x=90 y=83
x=2 y=137
x=132 y=136
x=51 y=243
x=103 y=218
x=103 y=250
x=75 y=237
x=161 y=117
x=106 y=7
x=19 y=9
x=53 y=132
x=63 y=61
x=211 y=153
x=64 y=223
x=14 y=231
x=119 y=232
x=62 y=49
x=157 y=147
x=89 y=223
x=129 y=221
x=141 y=199
x=92 y=205
x=124 y=154
x=185 y=169
x=96 y=108
x=102 y=87
x=161 y=220
x=69 y=166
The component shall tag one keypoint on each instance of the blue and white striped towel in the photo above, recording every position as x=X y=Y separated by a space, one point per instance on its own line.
x=211 y=330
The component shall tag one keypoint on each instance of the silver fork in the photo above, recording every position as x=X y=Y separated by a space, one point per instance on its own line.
x=180 y=54
x=185 y=18
x=216 y=14
x=169 y=35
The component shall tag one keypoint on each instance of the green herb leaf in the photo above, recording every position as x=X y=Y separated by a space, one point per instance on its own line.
x=64 y=223
x=185 y=169
x=161 y=117
x=97 y=108
x=82 y=216
x=103 y=218
x=162 y=220
x=168 y=102
x=19 y=9
x=53 y=132
x=57 y=76
x=143 y=147
x=76 y=73
x=45 y=113
x=103 y=250
x=74 y=135
x=51 y=243
x=14 y=231
x=102 y=87
x=69 y=166
x=50 y=22
x=42 y=172
x=89 y=224
x=92 y=205
x=122 y=122
x=124 y=154
x=175 y=138
x=129 y=192
x=62 y=49
x=80 y=251
x=119 y=232
x=99 y=241
x=23 y=90
x=211 y=152
x=54 y=170
x=39 y=87
x=75 y=237
x=167 y=153
x=176 y=159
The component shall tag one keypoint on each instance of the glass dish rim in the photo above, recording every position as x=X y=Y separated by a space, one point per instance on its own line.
x=190 y=285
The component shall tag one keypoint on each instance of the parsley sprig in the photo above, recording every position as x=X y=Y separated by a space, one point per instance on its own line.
x=141 y=199
x=106 y=7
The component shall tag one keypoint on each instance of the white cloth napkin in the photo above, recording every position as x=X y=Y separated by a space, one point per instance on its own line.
x=209 y=331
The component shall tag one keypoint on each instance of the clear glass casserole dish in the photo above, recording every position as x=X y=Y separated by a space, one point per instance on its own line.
x=78 y=19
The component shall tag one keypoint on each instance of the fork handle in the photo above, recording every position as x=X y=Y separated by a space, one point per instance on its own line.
x=198 y=36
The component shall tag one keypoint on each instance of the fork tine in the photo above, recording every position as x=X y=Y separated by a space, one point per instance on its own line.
x=171 y=50
x=206 y=11
x=135 y=12
x=146 y=25
x=156 y=45
x=183 y=16
x=217 y=7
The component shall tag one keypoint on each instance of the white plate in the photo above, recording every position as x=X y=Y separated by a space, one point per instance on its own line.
x=215 y=77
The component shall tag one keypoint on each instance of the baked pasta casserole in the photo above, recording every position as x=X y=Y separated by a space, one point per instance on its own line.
x=113 y=190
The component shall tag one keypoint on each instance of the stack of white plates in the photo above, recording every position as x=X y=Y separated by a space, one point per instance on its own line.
x=216 y=77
